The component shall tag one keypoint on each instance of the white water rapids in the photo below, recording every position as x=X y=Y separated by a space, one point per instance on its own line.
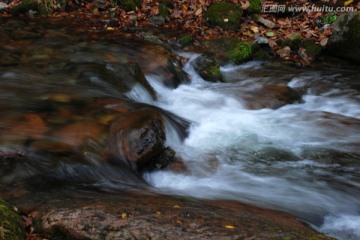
x=301 y=158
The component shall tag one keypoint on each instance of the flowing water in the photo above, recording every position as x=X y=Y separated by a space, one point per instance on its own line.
x=302 y=158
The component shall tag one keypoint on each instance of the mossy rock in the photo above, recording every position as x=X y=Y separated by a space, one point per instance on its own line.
x=225 y=15
x=240 y=52
x=129 y=5
x=186 y=39
x=11 y=225
x=261 y=55
x=25 y=6
x=255 y=7
x=293 y=40
x=344 y=42
x=312 y=49
x=164 y=11
x=229 y=49
x=208 y=68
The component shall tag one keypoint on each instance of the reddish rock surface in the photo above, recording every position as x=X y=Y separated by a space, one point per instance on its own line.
x=163 y=217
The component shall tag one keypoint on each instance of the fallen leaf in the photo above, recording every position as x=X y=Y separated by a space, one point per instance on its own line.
x=324 y=42
x=124 y=215
x=255 y=29
x=229 y=226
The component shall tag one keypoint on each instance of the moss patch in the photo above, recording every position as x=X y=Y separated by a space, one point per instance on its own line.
x=312 y=49
x=208 y=68
x=225 y=15
x=240 y=52
x=11 y=225
x=129 y=5
x=255 y=7
x=186 y=39
x=293 y=40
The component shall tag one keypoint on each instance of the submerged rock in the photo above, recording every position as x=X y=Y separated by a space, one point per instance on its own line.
x=344 y=42
x=271 y=96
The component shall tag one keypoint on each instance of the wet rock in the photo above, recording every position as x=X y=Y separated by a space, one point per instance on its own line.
x=208 y=68
x=271 y=96
x=157 y=20
x=138 y=137
x=163 y=217
x=24 y=127
x=163 y=61
x=122 y=76
x=226 y=50
x=11 y=225
x=284 y=52
x=225 y=15
x=293 y=40
x=76 y=134
x=344 y=42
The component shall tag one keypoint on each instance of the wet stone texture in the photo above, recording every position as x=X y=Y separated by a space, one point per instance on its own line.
x=163 y=217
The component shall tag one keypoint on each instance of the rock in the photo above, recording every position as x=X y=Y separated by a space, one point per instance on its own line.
x=261 y=55
x=123 y=77
x=163 y=61
x=254 y=7
x=265 y=22
x=3 y=5
x=293 y=40
x=229 y=49
x=284 y=52
x=271 y=96
x=11 y=225
x=208 y=68
x=28 y=126
x=129 y=5
x=137 y=138
x=261 y=40
x=224 y=14
x=76 y=134
x=149 y=216
x=157 y=20
x=312 y=49
x=344 y=42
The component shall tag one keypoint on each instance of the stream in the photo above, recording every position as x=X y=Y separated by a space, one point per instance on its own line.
x=301 y=158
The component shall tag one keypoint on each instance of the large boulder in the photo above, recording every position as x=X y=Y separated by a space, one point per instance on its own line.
x=11 y=225
x=138 y=138
x=149 y=216
x=226 y=50
x=225 y=15
x=344 y=42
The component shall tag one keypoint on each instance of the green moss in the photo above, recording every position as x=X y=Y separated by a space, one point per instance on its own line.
x=225 y=15
x=208 y=68
x=164 y=10
x=312 y=49
x=293 y=41
x=261 y=55
x=24 y=7
x=255 y=7
x=11 y=225
x=130 y=5
x=186 y=39
x=240 y=52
